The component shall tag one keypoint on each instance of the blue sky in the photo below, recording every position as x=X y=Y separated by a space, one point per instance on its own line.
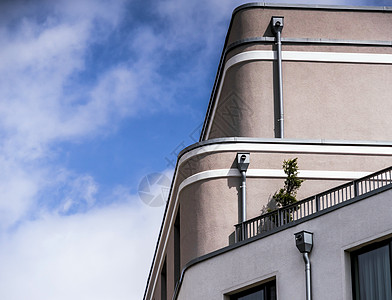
x=94 y=96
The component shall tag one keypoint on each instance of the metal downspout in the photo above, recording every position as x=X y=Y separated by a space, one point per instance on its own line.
x=304 y=243
x=279 y=57
x=243 y=160
x=243 y=194
x=277 y=27
x=307 y=272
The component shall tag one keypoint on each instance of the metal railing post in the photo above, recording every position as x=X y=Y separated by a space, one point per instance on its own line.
x=317 y=199
x=355 y=188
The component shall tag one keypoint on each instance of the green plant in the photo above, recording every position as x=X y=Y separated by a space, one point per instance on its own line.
x=287 y=195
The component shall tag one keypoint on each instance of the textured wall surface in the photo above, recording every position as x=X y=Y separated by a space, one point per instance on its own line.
x=335 y=234
x=322 y=100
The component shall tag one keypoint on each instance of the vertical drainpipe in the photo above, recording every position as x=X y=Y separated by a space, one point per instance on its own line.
x=243 y=195
x=307 y=274
x=304 y=243
x=243 y=160
x=277 y=27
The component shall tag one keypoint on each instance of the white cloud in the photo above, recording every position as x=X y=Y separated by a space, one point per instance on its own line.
x=117 y=91
x=18 y=189
x=79 y=193
x=39 y=57
x=32 y=100
x=102 y=254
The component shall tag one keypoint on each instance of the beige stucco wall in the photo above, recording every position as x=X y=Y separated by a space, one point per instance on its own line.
x=349 y=25
x=322 y=100
x=246 y=106
x=337 y=101
x=210 y=207
x=276 y=256
x=343 y=101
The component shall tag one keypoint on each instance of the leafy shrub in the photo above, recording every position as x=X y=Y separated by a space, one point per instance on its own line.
x=287 y=195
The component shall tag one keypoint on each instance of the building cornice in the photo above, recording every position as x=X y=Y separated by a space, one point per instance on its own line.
x=313 y=7
x=277 y=141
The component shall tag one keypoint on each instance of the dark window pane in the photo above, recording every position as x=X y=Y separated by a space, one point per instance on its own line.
x=177 y=248
x=263 y=292
x=163 y=282
x=372 y=274
x=254 y=296
x=272 y=292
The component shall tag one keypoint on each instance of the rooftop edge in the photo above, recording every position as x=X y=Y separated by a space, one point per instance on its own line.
x=312 y=6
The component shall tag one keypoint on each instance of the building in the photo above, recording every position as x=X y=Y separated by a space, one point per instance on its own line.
x=294 y=81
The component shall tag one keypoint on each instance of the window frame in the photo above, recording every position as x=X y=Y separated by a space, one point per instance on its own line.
x=177 y=248
x=164 y=281
x=354 y=263
x=266 y=286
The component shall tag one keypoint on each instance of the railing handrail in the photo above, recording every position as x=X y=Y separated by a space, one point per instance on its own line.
x=374 y=174
x=294 y=207
x=310 y=198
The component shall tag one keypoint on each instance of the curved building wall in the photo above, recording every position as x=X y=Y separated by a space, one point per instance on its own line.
x=336 y=83
x=246 y=106
x=210 y=201
x=341 y=24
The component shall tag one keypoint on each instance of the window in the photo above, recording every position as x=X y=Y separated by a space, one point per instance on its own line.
x=371 y=272
x=177 y=248
x=163 y=282
x=266 y=291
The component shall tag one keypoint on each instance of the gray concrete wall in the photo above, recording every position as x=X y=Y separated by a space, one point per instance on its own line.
x=335 y=235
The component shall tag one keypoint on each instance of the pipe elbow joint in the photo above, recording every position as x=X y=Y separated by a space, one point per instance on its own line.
x=307 y=261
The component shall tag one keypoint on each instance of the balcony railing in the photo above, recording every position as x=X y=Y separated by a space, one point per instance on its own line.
x=312 y=205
